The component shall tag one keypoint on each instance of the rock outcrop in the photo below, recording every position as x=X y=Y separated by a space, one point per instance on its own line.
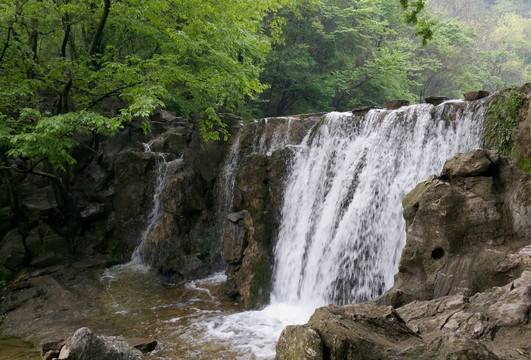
x=463 y=290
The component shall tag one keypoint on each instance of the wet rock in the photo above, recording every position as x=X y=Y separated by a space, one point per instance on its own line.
x=249 y=271
x=142 y=344
x=360 y=110
x=51 y=350
x=348 y=332
x=235 y=240
x=12 y=252
x=84 y=345
x=254 y=276
x=436 y=100
x=476 y=95
x=396 y=104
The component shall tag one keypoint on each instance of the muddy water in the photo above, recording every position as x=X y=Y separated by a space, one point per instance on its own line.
x=190 y=321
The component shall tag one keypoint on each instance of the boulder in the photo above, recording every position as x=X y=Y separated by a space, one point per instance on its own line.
x=463 y=228
x=358 y=331
x=436 y=100
x=85 y=345
x=473 y=163
x=396 y=104
x=235 y=240
x=476 y=95
x=249 y=270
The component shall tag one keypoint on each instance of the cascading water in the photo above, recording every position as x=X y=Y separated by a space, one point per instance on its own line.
x=342 y=230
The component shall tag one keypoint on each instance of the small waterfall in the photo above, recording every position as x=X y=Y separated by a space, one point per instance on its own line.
x=155 y=212
x=225 y=194
x=275 y=133
x=342 y=230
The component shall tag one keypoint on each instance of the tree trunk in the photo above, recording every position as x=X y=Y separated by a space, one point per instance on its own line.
x=98 y=35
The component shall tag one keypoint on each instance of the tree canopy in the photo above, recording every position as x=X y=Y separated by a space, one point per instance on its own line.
x=69 y=66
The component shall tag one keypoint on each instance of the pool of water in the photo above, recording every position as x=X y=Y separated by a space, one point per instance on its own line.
x=190 y=320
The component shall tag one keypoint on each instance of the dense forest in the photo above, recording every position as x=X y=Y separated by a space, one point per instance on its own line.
x=341 y=54
x=71 y=66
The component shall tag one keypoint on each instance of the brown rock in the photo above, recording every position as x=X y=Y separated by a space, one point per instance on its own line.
x=475 y=95
x=396 y=104
x=473 y=163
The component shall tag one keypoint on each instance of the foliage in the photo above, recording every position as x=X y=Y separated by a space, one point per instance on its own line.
x=425 y=25
x=501 y=120
x=339 y=54
x=74 y=66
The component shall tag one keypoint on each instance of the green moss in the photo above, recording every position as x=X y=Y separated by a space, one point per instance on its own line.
x=500 y=121
x=524 y=163
x=260 y=285
x=316 y=127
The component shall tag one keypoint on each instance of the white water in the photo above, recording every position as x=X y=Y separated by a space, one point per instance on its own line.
x=342 y=230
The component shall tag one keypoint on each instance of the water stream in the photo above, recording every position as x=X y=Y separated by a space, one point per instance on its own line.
x=340 y=238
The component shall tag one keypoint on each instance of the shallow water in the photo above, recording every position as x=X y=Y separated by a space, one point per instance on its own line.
x=190 y=321
x=15 y=349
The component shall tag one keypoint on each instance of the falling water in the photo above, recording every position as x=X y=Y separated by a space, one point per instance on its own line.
x=154 y=213
x=342 y=231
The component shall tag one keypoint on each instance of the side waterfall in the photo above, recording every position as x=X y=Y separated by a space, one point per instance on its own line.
x=342 y=230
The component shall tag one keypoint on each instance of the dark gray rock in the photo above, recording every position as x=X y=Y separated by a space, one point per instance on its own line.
x=436 y=100
x=84 y=345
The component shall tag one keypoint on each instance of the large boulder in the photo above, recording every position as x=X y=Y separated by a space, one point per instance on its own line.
x=462 y=228
x=85 y=345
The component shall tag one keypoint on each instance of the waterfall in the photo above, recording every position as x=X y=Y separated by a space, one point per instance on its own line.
x=155 y=212
x=342 y=231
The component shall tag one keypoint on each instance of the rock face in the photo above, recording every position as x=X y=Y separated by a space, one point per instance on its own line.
x=463 y=290
x=460 y=228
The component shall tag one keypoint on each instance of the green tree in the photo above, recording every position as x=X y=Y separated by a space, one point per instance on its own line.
x=71 y=66
x=339 y=54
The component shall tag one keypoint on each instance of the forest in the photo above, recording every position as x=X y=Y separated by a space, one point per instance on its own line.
x=71 y=66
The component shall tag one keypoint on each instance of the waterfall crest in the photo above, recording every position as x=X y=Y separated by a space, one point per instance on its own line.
x=342 y=232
